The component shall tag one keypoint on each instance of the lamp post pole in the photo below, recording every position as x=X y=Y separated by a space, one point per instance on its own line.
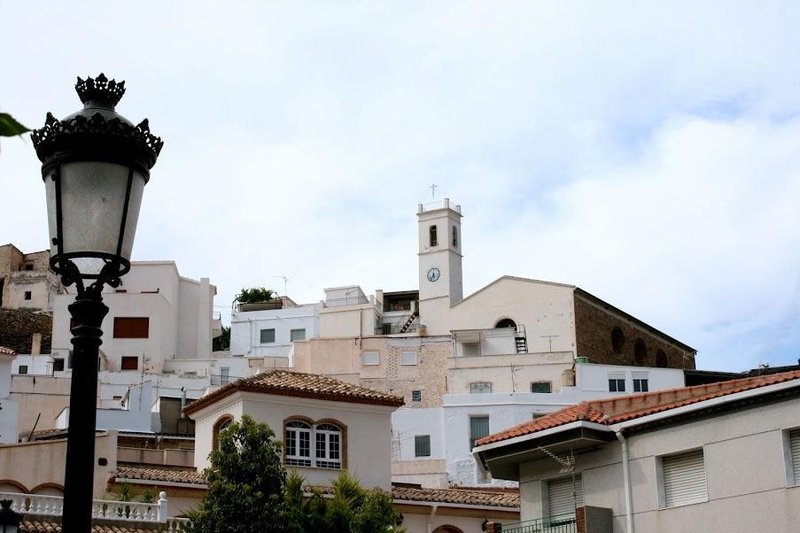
x=87 y=314
x=95 y=164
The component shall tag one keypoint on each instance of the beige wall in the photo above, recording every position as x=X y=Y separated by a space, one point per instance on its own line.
x=39 y=395
x=745 y=469
x=342 y=359
x=367 y=443
x=545 y=309
x=350 y=321
x=35 y=464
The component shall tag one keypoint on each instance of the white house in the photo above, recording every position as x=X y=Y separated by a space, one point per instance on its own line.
x=717 y=457
x=9 y=408
x=433 y=446
x=327 y=426
x=156 y=315
x=269 y=329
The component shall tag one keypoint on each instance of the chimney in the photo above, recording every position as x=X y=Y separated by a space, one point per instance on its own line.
x=36 y=344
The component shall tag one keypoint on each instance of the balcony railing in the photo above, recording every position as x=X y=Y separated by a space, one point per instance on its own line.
x=41 y=505
x=553 y=524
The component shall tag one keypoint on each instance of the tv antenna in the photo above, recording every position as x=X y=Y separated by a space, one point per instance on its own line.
x=285 y=279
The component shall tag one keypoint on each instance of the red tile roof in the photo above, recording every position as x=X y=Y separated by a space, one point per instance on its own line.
x=622 y=408
x=159 y=473
x=286 y=383
x=40 y=526
x=477 y=496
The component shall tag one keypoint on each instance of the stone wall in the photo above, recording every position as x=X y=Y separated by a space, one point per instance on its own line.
x=607 y=336
x=18 y=326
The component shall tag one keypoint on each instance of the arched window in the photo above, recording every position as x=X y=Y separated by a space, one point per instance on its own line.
x=640 y=352
x=617 y=339
x=661 y=359
x=327 y=439
x=433 y=238
x=219 y=425
x=506 y=323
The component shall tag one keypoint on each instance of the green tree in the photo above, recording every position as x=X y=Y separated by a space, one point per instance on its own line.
x=223 y=342
x=245 y=483
x=351 y=509
x=255 y=295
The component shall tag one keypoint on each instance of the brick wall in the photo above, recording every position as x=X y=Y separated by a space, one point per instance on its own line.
x=594 y=325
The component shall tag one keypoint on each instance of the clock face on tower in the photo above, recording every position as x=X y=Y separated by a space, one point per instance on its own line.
x=433 y=274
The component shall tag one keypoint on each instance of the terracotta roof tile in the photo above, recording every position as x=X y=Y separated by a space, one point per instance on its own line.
x=490 y=497
x=622 y=408
x=39 y=526
x=288 y=383
x=160 y=473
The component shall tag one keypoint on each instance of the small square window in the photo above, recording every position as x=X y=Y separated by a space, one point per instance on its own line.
x=416 y=395
x=130 y=362
x=29 y=266
x=616 y=384
x=297 y=334
x=422 y=446
x=58 y=365
x=28 y=295
x=370 y=358
x=542 y=387
x=683 y=479
x=641 y=385
x=267 y=335
x=408 y=358
x=23 y=369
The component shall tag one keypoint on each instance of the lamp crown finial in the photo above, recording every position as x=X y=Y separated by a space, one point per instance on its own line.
x=100 y=91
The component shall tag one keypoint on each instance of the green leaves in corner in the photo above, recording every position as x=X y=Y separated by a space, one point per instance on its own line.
x=9 y=126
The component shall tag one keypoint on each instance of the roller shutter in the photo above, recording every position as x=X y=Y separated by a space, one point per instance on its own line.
x=684 y=479
x=564 y=495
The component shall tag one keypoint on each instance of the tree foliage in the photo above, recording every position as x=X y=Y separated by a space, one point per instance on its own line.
x=352 y=509
x=223 y=342
x=9 y=127
x=249 y=491
x=255 y=295
x=245 y=483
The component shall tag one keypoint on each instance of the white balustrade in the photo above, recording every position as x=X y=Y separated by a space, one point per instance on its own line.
x=40 y=504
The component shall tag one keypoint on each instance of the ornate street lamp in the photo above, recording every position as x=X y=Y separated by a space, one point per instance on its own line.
x=95 y=164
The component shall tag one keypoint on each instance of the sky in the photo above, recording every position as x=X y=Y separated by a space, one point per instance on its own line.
x=648 y=152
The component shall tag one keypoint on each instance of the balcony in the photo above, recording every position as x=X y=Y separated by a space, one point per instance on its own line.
x=142 y=514
x=553 y=524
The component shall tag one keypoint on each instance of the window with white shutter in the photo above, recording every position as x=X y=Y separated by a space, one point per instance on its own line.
x=794 y=452
x=564 y=495
x=684 y=479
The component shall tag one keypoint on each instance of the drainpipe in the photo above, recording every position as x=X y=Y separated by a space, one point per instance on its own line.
x=430 y=518
x=626 y=475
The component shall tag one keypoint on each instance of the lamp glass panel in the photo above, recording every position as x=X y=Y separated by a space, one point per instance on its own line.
x=52 y=215
x=92 y=205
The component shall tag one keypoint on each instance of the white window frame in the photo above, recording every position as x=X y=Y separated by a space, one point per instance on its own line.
x=324 y=444
x=617 y=377
x=682 y=479
x=638 y=378
x=408 y=358
x=370 y=358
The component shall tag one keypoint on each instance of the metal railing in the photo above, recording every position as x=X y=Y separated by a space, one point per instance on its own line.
x=552 y=524
x=220 y=379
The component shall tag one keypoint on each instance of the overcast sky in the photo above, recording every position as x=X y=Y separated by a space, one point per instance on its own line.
x=646 y=152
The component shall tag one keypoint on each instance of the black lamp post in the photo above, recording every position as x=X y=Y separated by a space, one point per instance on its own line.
x=95 y=164
x=9 y=520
